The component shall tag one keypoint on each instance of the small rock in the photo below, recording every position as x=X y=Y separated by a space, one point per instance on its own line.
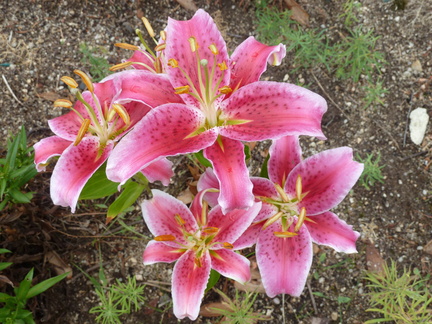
x=276 y=301
x=419 y=120
x=416 y=66
x=139 y=277
x=334 y=316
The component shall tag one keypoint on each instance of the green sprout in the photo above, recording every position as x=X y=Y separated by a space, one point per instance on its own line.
x=372 y=170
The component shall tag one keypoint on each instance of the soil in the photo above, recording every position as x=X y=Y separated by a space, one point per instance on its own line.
x=40 y=41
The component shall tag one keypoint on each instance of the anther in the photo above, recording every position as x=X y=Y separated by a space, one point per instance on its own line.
x=193 y=44
x=299 y=187
x=228 y=246
x=198 y=262
x=160 y=47
x=85 y=78
x=281 y=192
x=300 y=220
x=127 y=46
x=284 y=234
x=148 y=27
x=163 y=35
x=182 y=89
x=213 y=49
x=225 y=90
x=164 y=238
x=120 y=66
x=271 y=220
x=64 y=103
x=82 y=131
x=222 y=66
x=69 y=81
x=210 y=230
x=122 y=112
x=173 y=63
x=179 y=220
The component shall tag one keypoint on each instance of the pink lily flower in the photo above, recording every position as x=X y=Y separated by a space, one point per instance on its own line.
x=86 y=136
x=198 y=241
x=295 y=212
x=224 y=103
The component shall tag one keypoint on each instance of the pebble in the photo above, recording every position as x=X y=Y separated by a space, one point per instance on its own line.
x=334 y=316
x=139 y=277
x=276 y=301
x=419 y=120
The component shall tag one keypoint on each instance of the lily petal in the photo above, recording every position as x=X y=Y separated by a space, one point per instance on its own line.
x=263 y=187
x=285 y=154
x=75 y=166
x=228 y=159
x=206 y=33
x=249 y=61
x=248 y=238
x=231 y=265
x=162 y=132
x=327 y=177
x=142 y=56
x=48 y=148
x=188 y=284
x=159 y=215
x=234 y=223
x=328 y=229
x=209 y=180
x=272 y=110
x=159 y=170
x=160 y=252
x=284 y=263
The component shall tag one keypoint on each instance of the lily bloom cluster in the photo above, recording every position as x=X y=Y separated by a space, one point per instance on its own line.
x=191 y=96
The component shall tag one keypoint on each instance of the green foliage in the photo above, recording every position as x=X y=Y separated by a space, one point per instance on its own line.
x=13 y=310
x=99 y=66
x=372 y=170
x=374 y=94
x=16 y=169
x=405 y=298
x=350 y=9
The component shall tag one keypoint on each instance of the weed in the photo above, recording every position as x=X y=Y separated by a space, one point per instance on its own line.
x=374 y=94
x=403 y=299
x=350 y=8
x=99 y=66
x=13 y=310
x=16 y=169
x=372 y=170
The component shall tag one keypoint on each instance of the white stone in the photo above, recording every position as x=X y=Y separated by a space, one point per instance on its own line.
x=419 y=120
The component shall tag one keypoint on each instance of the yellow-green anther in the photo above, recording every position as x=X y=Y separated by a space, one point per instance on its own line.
x=272 y=219
x=82 y=131
x=122 y=112
x=64 y=103
x=299 y=188
x=163 y=238
x=120 y=66
x=214 y=49
x=86 y=79
x=148 y=27
x=284 y=234
x=69 y=81
x=300 y=220
x=193 y=44
x=127 y=46
x=281 y=192
x=173 y=63
x=182 y=89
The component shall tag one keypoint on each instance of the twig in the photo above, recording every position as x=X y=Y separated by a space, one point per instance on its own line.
x=283 y=308
x=312 y=297
x=330 y=98
x=414 y=155
x=10 y=90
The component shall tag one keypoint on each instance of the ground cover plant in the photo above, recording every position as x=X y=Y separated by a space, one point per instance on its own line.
x=280 y=204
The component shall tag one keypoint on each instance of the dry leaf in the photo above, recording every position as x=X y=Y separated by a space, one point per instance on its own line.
x=207 y=311
x=6 y=280
x=374 y=261
x=188 y=4
x=59 y=265
x=298 y=13
x=139 y=13
x=317 y=320
x=51 y=96
x=255 y=284
x=186 y=196
x=428 y=248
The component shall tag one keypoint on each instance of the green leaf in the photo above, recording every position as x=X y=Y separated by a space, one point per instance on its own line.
x=132 y=190
x=44 y=285
x=23 y=289
x=4 y=265
x=4 y=297
x=246 y=150
x=26 y=173
x=98 y=186
x=201 y=159
x=264 y=167
x=319 y=294
x=11 y=155
x=2 y=251
x=3 y=184
x=213 y=279
x=343 y=299
x=4 y=203
x=20 y=197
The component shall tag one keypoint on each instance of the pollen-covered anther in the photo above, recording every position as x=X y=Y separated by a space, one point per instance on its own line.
x=301 y=219
x=281 y=192
x=272 y=219
x=179 y=220
x=127 y=46
x=284 y=234
x=225 y=90
x=228 y=246
x=160 y=47
x=182 y=89
x=64 y=103
x=120 y=66
x=86 y=79
x=82 y=131
x=165 y=238
x=222 y=66
x=210 y=230
x=299 y=187
x=69 y=81
x=163 y=35
x=122 y=112
x=213 y=49
x=198 y=262
x=148 y=27
x=193 y=44
x=173 y=63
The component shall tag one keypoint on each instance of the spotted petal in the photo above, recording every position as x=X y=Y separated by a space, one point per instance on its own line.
x=268 y=110
x=75 y=166
x=159 y=170
x=328 y=229
x=209 y=180
x=162 y=132
x=160 y=252
x=231 y=265
x=48 y=148
x=284 y=263
x=327 y=177
x=228 y=159
x=249 y=61
x=205 y=31
x=188 y=284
